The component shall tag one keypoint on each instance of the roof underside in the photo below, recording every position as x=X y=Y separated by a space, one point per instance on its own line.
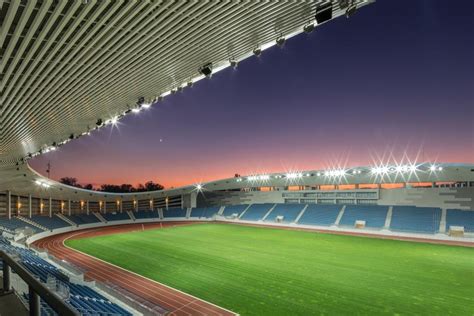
x=66 y=64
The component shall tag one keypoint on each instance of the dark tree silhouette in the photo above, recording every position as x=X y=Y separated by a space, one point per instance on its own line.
x=70 y=181
x=115 y=188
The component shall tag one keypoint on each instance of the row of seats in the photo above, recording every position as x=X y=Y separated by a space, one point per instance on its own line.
x=83 y=298
x=404 y=218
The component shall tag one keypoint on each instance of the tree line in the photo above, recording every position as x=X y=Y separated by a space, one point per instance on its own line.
x=114 y=188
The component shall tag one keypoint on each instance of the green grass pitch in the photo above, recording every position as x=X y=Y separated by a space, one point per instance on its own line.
x=263 y=271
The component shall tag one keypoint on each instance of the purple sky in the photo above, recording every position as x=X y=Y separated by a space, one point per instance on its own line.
x=396 y=77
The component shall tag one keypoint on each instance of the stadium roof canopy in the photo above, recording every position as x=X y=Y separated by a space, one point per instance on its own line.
x=68 y=67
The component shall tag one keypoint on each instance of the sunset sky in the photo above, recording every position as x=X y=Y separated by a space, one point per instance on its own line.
x=395 y=78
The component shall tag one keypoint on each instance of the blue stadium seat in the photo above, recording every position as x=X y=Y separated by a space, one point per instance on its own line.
x=463 y=218
x=146 y=214
x=49 y=222
x=289 y=212
x=415 y=219
x=320 y=214
x=373 y=215
x=256 y=212
x=234 y=209
x=117 y=216
x=9 y=225
x=174 y=212
x=206 y=212
x=83 y=298
x=80 y=219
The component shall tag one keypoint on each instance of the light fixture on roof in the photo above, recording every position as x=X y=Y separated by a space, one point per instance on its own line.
x=257 y=52
x=440 y=168
x=308 y=28
x=280 y=41
x=146 y=105
x=351 y=9
x=432 y=168
x=206 y=70
x=293 y=175
x=234 y=63
x=136 y=110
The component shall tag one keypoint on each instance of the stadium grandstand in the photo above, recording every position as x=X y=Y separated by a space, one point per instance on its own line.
x=57 y=57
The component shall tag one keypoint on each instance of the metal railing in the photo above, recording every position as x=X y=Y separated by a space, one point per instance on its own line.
x=36 y=289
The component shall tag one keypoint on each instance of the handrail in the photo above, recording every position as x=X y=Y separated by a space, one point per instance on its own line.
x=36 y=288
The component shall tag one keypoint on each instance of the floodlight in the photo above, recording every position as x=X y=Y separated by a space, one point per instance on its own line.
x=413 y=168
x=432 y=168
x=257 y=52
x=308 y=28
x=206 y=70
x=233 y=63
x=136 y=110
x=440 y=168
x=280 y=41
x=146 y=105
x=199 y=187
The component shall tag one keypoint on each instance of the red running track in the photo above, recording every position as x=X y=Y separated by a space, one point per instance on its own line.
x=176 y=302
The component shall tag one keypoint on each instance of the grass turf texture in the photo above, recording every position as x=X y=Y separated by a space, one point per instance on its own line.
x=262 y=271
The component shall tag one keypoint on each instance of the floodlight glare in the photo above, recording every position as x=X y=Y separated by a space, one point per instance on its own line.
x=146 y=105
x=440 y=168
x=199 y=187
x=136 y=110
x=433 y=168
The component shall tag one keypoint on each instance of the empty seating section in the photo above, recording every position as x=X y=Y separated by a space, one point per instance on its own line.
x=460 y=218
x=116 y=216
x=81 y=219
x=206 y=212
x=146 y=214
x=83 y=298
x=234 y=209
x=373 y=215
x=320 y=214
x=174 y=212
x=415 y=219
x=289 y=212
x=256 y=212
x=9 y=225
x=49 y=222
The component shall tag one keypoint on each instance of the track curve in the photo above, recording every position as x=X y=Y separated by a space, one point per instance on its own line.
x=176 y=302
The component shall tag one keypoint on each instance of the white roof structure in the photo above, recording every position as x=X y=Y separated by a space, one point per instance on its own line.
x=68 y=67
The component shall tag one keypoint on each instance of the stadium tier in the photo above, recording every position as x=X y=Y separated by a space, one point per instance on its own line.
x=80 y=219
x=83 y=298
x=116 y=216
x=234 y=209
x=256 y=212
x=320 y=215
x=204 y=212
x=288 y=212
x=415 y=219
x=374 y=216
x=174 y=212
x=146 y=215
x=460 y=218
x=50 y=222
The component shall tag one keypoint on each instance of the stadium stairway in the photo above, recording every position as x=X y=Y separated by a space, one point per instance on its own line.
x=442 y=222
x=245 y=211
x=221 y=210
x=388 y=219
x=31 y=222
x=268 y=213
x=340 y=215
x=130 y=214
x=100 y=217
x=67 y=220
x=301 y=214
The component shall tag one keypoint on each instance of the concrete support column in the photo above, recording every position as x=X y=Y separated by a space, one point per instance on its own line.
x=41 y=205
x=50 y=207
x=9 y=204
x=121 y=206
x=30 y=207
x=136 y=205
x=69 y=207
x=105 y=207
x=87 y=207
